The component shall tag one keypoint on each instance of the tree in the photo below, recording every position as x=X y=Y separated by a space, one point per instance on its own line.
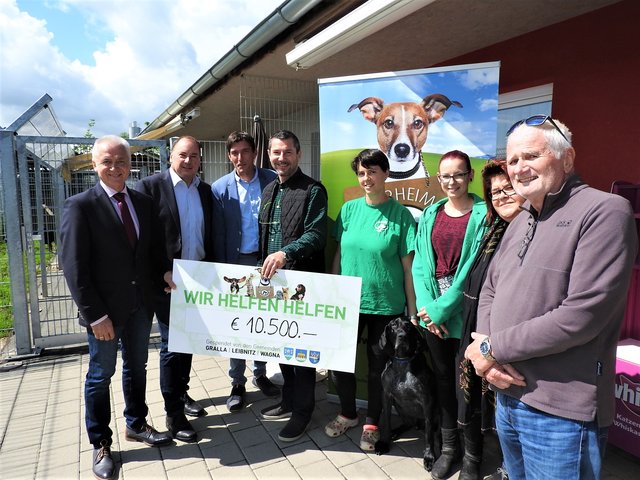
x=86 y=148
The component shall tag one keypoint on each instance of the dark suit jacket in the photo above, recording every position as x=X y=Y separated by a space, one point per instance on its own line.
x=160 y=187
x=104 y=274
x=227 y=216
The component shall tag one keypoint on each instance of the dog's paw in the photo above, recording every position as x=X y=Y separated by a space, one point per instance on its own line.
x=428 y=460
x=381 y=447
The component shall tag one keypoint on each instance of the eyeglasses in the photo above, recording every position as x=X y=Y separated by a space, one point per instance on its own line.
x=528 y=236
x=456 y=177
x=536 y=121
x=507 y=191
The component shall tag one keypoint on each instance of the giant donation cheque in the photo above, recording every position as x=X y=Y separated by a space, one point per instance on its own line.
x=298 y=318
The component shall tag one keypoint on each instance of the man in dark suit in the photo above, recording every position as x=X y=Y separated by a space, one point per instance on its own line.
x=184 y=204
x=110 y=257
x=237 y=198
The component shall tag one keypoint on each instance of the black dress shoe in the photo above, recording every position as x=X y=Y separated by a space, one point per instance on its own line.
x=103 y=466
x=149 y=435
x=266 y=386
x=180 y=428
x=191 y=407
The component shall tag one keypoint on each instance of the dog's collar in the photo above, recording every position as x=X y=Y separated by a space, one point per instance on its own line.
x=402 y=360
x=407 y=174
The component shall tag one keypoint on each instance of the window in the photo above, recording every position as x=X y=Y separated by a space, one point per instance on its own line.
x=514 y=106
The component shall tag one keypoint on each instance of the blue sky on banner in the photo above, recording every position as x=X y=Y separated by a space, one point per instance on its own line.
x=471 y=128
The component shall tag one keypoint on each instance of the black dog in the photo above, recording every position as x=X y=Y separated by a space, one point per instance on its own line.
x=408 y=384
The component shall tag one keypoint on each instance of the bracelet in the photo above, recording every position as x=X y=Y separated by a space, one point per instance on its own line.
x=414 y=317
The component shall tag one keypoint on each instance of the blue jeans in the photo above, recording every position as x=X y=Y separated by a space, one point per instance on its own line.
x=133 y=337
x=237 y=366
x=175 y=367
x=537 y=445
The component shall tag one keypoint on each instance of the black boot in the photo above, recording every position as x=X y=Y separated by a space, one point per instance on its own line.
x=444 y=466
x=472 y=452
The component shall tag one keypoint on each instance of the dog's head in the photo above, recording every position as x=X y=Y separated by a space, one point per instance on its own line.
x=235 y=282
x=402 y=126
x=401 y=339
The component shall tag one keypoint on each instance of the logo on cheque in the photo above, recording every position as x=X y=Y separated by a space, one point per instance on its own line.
x=314 y=356
x=301 y=355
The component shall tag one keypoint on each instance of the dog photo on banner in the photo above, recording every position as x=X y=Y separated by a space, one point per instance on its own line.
x=413 y=117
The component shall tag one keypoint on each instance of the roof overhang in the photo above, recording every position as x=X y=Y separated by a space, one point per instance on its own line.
x=434 y=33
x=367 y=19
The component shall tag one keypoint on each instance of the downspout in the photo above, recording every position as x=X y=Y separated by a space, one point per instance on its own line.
x=281 y=19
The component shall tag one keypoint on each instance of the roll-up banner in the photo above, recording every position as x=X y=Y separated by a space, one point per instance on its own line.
x=414 y=117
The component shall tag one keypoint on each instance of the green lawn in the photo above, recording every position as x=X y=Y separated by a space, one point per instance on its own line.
x=6 y=310
x=6 y=315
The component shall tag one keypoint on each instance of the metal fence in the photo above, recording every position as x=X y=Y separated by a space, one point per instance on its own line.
x=38 y=173
x=284 y=104
x=33 y=192
x=34 y=188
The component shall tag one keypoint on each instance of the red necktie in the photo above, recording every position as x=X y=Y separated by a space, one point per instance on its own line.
x=127 y=221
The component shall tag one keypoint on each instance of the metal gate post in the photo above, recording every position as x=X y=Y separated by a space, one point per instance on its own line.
x=14 y=242
x=27 y=218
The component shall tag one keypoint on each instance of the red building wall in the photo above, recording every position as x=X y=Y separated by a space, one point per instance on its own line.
x=593 y=62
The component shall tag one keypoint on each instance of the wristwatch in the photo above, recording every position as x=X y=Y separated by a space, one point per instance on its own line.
x=485 y=349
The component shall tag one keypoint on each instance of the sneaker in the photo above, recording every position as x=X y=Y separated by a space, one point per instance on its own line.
x=293 y=430
x=265 y=385
x=499 y=474
x=339 y=425
x=275 y=411
x=235 y=402
x=370 y=435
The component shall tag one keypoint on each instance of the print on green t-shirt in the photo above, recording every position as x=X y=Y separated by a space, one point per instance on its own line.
x=373 y=239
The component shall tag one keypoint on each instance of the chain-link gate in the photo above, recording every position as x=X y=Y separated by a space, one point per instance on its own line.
x=38 y=174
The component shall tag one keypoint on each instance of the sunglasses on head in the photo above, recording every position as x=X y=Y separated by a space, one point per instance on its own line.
x=536 y=121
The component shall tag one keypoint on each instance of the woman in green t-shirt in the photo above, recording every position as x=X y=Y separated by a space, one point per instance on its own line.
x=376 y=237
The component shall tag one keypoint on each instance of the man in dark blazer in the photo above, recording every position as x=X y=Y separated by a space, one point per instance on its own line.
x=184 y=204
x=110 y=258
x=237 y=198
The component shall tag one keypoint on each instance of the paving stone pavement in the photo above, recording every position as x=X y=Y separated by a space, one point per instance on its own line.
x=42 y=434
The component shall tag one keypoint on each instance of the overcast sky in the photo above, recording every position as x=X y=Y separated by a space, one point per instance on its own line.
x=114 y=61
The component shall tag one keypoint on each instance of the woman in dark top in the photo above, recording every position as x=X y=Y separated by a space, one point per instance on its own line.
x=476 y=403
x=449 y=235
